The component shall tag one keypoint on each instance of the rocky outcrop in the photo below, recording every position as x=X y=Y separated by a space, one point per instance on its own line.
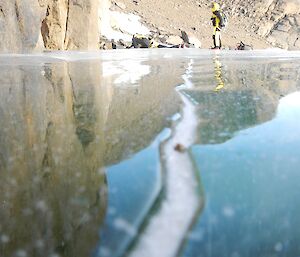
x=71 y=25
x=50 y=24
x=20 y=25
x=54 y=25
x=276 y=20
x=280 y=23
x=286 y=33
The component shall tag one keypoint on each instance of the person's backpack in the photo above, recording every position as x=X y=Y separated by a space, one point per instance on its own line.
x=224 y=19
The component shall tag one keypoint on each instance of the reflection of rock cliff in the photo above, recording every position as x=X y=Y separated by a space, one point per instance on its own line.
x=250 y=96
x=139 y=113
x=50 y=182
x=61 y=123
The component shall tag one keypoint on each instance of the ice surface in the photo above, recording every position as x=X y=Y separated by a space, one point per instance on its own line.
x=147 y=54
x=76 y=147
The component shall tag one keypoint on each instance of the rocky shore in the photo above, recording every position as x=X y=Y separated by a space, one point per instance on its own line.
x=30 y=25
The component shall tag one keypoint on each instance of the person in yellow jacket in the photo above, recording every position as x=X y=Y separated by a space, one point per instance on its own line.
x=218 y=24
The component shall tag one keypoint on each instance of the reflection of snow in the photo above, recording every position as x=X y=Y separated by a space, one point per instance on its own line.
x=186 y=77
x=290 y=102
x=169 y=225
x=126 y=72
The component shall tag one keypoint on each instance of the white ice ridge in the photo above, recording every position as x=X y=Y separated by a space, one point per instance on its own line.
x=168 y=227
x=142 y=55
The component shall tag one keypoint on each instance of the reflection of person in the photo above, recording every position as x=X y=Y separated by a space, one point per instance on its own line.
x=218 y=23
x=218 y=74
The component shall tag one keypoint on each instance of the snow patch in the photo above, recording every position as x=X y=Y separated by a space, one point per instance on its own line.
x=116 y=25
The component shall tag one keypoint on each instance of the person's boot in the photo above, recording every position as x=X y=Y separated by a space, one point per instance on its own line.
x=215 y=45
x=214 y=41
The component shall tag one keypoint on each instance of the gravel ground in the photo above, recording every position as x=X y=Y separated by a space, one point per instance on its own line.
x=171 y=16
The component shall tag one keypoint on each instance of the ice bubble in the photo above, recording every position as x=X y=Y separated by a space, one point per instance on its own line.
x=54 y=255
x=82 y=189
x=197 y=236
x=27 y=212
x=235 y=254
x=21 y=253
x=41 y=205
x=105 y=252
x=125 y=226
x=228 y=212
x=278 y=247
x=111 y=211
x=4 y=239
x=39 y=243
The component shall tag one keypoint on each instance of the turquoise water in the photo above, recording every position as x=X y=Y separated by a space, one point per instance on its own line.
x=252 y=190
x=133 y=187
x=247 y=152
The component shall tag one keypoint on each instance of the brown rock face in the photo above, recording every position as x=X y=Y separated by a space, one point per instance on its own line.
x=71 y=25
x=82 y=25
x=52 y=24
x=280 y=23
x=20 y=25
x=276 y=20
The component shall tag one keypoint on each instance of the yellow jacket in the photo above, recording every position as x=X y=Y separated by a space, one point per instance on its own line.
x=216 y=17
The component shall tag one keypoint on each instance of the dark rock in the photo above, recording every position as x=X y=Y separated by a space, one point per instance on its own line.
x=180 y=148
x=185 y=37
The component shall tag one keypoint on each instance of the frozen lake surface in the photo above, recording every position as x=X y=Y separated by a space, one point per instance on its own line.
x=150 y=153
